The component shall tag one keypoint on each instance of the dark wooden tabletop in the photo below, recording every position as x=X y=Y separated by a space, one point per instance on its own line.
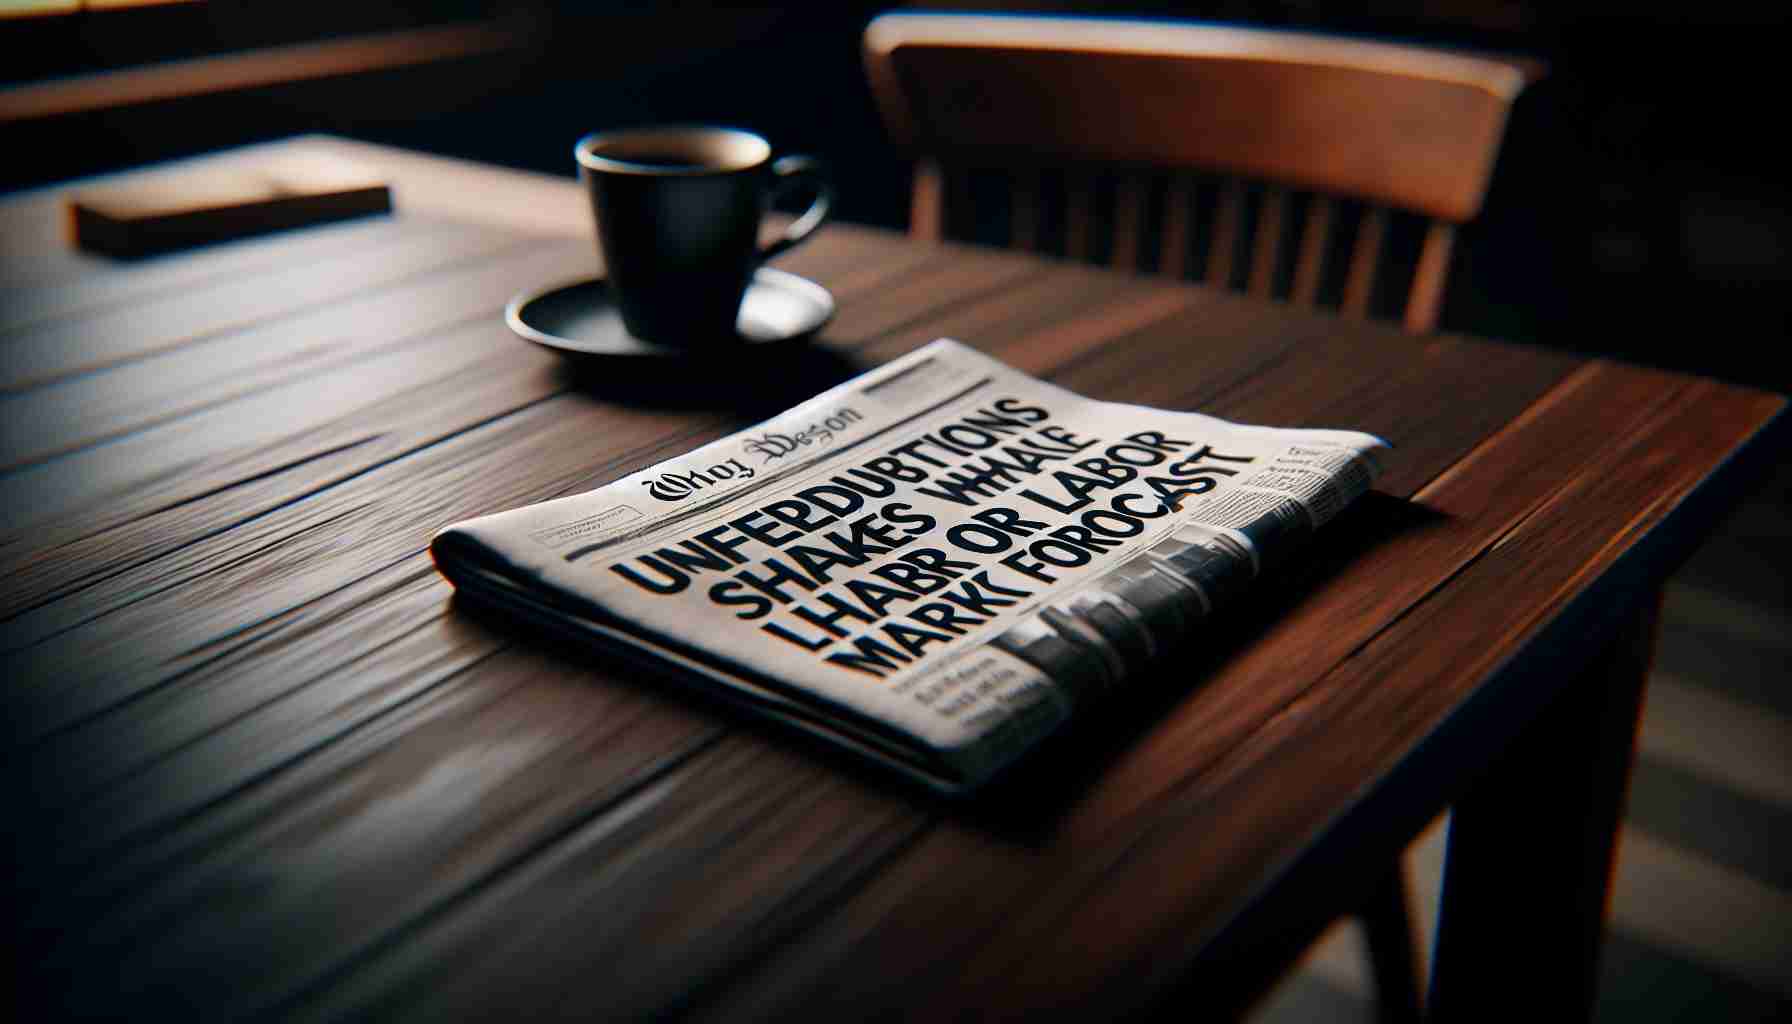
x=259 y=763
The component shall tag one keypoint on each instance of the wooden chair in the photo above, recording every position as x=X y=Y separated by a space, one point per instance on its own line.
x=1267 y=137
x=1305 y=138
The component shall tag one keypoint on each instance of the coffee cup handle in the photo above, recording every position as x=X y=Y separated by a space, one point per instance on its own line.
x=790 y=172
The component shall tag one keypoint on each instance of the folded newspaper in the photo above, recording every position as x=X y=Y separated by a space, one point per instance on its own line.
x=935 y=564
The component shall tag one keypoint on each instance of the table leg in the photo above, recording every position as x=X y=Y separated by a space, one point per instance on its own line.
x=1388 y=926
x=1531 y=850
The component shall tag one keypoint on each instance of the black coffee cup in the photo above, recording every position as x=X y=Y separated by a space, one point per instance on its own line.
x=678 y=210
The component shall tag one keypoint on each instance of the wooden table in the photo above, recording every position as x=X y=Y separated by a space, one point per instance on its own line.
x=260 y=764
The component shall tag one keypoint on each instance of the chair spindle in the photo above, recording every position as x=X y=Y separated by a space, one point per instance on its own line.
x=1225 y=233
x=1129 y=218
x=1359 y=285
x=1178 y=198
x=1267 y=243
x=1315 y=238
x=1025 y=217
x=1077 y=189
x=1426 y=300
x=927 y=202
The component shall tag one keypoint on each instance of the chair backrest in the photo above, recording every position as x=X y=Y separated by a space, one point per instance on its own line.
x=1307 y=132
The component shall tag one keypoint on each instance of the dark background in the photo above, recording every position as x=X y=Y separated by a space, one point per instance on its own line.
x=1634 y=211
x=1639 y=209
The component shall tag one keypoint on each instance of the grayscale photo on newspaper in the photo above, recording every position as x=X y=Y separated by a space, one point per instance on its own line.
x=935 y=564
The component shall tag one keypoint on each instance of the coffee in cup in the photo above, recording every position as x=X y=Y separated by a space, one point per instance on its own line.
x=678 y=210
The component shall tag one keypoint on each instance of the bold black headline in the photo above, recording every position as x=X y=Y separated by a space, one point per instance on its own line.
x=835 y=568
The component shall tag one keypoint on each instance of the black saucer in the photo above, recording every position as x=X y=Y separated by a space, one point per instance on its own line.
x=581 y=318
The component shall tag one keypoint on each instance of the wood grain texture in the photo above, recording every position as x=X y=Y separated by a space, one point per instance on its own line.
x=456 y=468
x=108 y=506
x=93 y=408
x=248 y=730
x=34 y=252
x=773 y=840
x=25 y=304
x=125 y=742
x=113 y=606
x=1545 y=782
x=65 y=348
x=414 y=956
x=1152 y=852
x=508 y=740
x=418 y=952
x=276 y=65
x=262 y=722
x=1377 y=124
x=1407 y=126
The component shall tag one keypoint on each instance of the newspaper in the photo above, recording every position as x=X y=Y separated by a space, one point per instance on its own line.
x=935 y=564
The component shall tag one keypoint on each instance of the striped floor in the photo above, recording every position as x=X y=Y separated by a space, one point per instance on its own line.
x=1701 y=926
